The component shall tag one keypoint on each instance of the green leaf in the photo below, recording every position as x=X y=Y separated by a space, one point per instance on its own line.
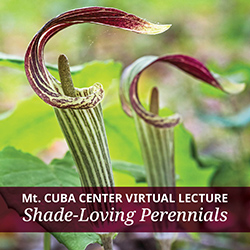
x=232 y=174
x=122 y=137
x=31 y=126
x=104 y=72
x=22 y=169
x=64 y=169
x=125 y=174
x=75 y=241
x=17 y=62
x=187 y=167
x=137 y=171
x=11 y=61
x=22 y=124
x=195 y=236
x=122 y=179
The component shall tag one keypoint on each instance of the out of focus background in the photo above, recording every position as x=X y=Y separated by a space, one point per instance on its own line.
x=215 y=32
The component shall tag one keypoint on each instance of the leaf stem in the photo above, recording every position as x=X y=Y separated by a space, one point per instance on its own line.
x=46 y=241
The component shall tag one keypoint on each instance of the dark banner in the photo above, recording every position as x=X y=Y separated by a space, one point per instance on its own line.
x=130 y=209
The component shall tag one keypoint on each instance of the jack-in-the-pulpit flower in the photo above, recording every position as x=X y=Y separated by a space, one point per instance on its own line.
x=155 y=133
x=79 y=111
x=128 y=87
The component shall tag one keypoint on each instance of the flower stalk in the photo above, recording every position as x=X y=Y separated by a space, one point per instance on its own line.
x=85 y=134
x=107 y=241
x=157 y=149
x=46 y=241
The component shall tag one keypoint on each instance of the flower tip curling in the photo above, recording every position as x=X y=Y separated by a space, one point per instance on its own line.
x=154 y=29
x=229 y=86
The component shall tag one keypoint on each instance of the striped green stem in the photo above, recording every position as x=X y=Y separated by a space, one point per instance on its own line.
x=85 y=134
x=157 y=148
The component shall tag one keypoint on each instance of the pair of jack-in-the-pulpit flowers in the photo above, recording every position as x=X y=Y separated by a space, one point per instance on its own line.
x=79 y=111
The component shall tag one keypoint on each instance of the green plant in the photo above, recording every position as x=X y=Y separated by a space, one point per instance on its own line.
x=121 y=133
